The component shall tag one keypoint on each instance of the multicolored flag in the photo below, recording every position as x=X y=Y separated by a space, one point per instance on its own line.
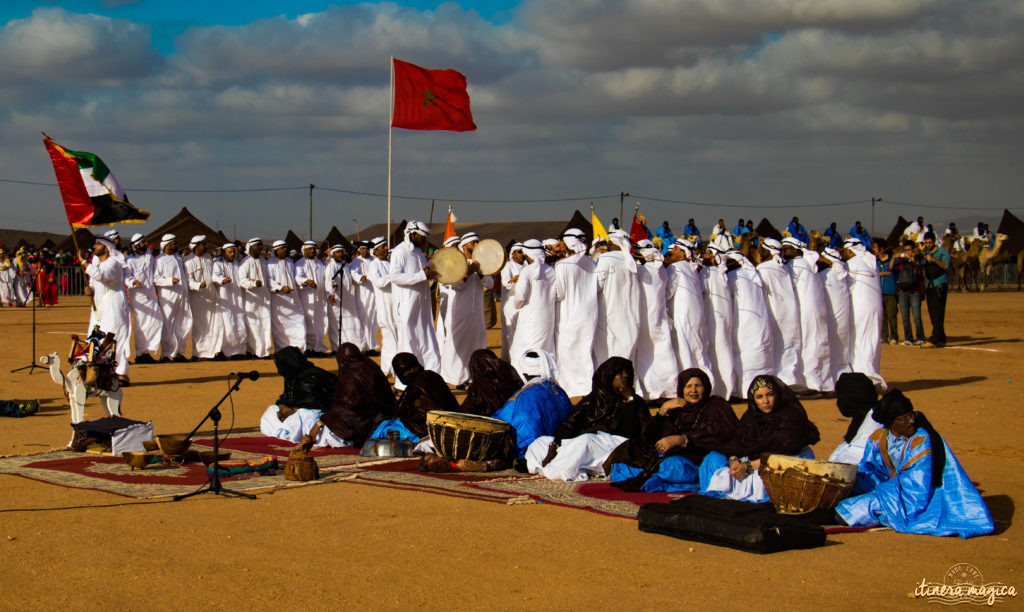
x=430 y=99
x=91 y=194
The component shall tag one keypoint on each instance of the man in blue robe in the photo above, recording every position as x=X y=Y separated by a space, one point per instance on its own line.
x=797 y=231
x=541 y=406
x=858 y=232
x=667 y=239
x=835 y=239
x=910 y=480
x=691 y=230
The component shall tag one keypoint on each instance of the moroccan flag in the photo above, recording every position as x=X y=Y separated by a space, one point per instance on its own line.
x=599 y=230
x=91 y=194
x=430 y=99
x=449 y=227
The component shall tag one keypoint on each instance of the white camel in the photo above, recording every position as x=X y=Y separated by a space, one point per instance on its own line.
x=77 y=390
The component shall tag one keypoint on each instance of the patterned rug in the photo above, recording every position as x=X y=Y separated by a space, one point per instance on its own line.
x=113 y=475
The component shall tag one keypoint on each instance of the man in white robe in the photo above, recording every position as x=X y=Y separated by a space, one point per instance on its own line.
x=464 y=319
x=171 y=280
x=656 y=364
x=363 y=289
x=509 y=313
x=334 y=269
x=840 y=324
x=751 y=332
x=815 y=356
x=444 y=297
x=620 y=297
x=868 y=312
x=288 y=321
x=784 y=308
x=106 y=274
x=410 y=290
x=718 y=320
x=207 y=331
x=577 y=296
x=230 y=302
x=378 y=271
x=689 y=327
x=534 y=298
x=309 y=274
x=145 y=307
x=252 y=276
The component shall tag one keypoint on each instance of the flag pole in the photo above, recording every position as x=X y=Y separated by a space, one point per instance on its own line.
x=391 y=119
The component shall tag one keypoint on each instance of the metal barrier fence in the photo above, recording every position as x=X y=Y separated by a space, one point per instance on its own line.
x=70 y=280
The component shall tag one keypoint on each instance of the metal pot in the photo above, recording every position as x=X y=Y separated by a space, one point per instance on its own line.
x=379 y=447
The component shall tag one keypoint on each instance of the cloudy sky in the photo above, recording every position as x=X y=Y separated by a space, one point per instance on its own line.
x=778 y=106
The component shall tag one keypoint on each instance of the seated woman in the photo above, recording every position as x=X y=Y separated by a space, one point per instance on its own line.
x=910 y=480
x=540 y=407
x=775 y=422
x=424 y=391
x=611 y=414
x=307 y=392
x=676 y=439
x=855 y=397
x=492 y=382
x=362 y=397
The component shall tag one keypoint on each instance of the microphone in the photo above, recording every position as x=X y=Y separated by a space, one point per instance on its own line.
x=254 y=375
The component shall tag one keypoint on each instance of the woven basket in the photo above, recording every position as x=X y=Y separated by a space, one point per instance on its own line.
x=301 y=470
x=794 y=491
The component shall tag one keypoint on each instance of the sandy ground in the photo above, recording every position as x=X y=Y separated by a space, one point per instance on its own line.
x=345 y=543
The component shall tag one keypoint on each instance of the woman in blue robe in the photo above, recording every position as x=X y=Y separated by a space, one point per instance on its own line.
x=910 y=480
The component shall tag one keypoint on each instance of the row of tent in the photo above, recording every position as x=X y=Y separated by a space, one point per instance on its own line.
x=185 y=225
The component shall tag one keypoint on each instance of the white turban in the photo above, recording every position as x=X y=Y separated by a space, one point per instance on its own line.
x=137 y=238
x=378 y=241
x=549 y=243
x=254 y=240
x=228 y=245
x=833 y=254
x=516 y=247
x=772 y=245
x=106 y=241
x=575 y=239
x=451 y=242
x=197 y=239
x=309 y=243
x=467 y=238
x=534 y=249
x=335 y=248
x=111 y=234
x=167 y=239
x=416 y=227
x=794 y=242
x=536 y=366
x=278 y=244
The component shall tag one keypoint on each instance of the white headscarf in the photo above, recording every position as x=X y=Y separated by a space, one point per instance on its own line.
x=467 y=238
x=197 y=239
x=451 y=242
x=137 y=238
x=537 y=365
x=415 y=227
x=575 y=239
x=794 y=242
x=855 y=245
x=167 y=239
x=621 y=240
x=534 y=249
x=254 y=240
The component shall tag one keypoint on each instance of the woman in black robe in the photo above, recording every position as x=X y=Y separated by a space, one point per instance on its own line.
x=362 y=397
x=611 y=407
x=305 y=385
x=775 y=423
x=424 y=391
x=687 y=428
x=493 y=381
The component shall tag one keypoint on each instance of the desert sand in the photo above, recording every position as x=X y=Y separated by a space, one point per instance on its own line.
x=349 y=544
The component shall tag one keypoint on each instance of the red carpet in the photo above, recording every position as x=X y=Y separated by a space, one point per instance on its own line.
x=262 y=445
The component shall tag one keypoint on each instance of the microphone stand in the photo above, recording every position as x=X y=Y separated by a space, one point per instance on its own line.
x=213 y=484
x=31 y=367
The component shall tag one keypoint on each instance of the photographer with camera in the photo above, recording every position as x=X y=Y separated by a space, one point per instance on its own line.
x=907 y=270
x=936 y=286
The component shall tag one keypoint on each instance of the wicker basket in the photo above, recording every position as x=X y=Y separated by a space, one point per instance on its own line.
x=795 y=491
x=301 y=470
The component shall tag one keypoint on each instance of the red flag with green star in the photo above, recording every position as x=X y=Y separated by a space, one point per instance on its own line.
x=430 y=99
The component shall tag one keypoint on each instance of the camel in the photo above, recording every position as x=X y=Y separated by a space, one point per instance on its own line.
x=817 y=241
x=949 y=242
x=746 y=240
x=78 y=389
x=966 y=264
x=988 y=258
